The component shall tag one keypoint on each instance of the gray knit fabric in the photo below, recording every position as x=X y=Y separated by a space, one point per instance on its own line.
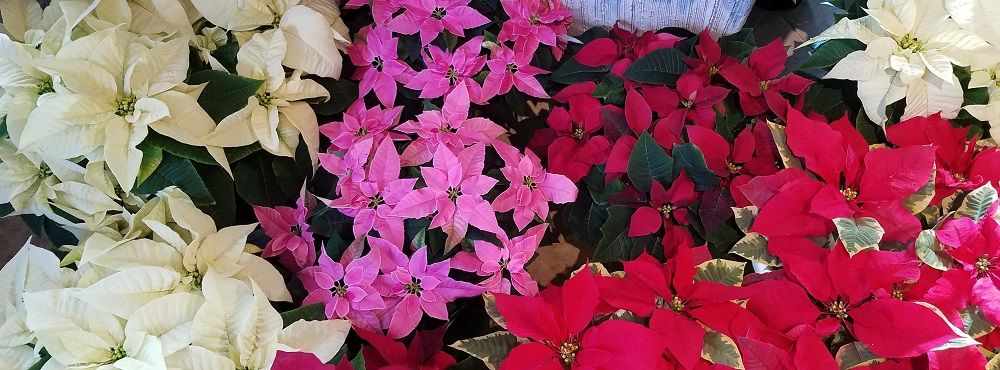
x=721 y=17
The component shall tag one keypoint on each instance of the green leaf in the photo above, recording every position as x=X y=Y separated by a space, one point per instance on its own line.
x=313 y=312
x=721 y=350
x=920 y=199
x=225 y=93
x=744 y=217
x=856 y=354
x=343 y=93
x=978 y=202
x=660 y=67
x=583 y=219
x=615 y=245
x=975 y=323
x=611 y=89
x=152 y=156
x=830 y=52
x=689 y=157
x=256 y=182
x=721 y=271
x=194 y=153
x=3 y=128
x=753 y=247
x=929 y=250
x=859 y=234
x=492 y=348
x=41 y=362
x=648 y=162
x=179 y=172
x=572 y=72
x=739 y=44
x=240 y=152
x=490 y=302
x=825 y=100
x=419 y=240
x=226 y=55
x=358 y=362
x=221 y=186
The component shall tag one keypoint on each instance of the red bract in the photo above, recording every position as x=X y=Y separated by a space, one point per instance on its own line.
x=423 y=353
x=676 y=302
x=667 y=207
x=574 y=146
x=839 y=295
x=638 y=117
x=960 y=166
x=976 y=247
x=622 y=48
x=759 y=84
x=558 y=323
x=710 y=59
x=857 y=182
x=692 y=102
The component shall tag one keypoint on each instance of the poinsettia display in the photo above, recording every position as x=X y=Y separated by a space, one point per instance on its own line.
x=431 y=184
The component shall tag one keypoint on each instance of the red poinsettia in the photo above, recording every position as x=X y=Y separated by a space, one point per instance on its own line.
x=742 y=158
x=666 y=207
x=693 y=101
x=423 y=353
x=575 y=145
x=622 y=48
x=639 y=118
x=826 y=289
x=960 y=165
x=759 y=82
x=710 y=59
x=558 y=323
x=856 y=182
x=676 y=302
x=976 y=248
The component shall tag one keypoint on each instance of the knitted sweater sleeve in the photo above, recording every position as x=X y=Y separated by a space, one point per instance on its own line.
x=720 y=17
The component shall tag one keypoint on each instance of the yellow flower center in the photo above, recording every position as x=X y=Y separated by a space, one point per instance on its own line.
x=567 y=352
x=910 y=42
x=530 y=183
x=375 y=201
x=983 y=265
x=763 y=85
x=839 y=309
x=340 y=289
x=849 y=194
x=46 y=87
x=125 y=105
x=43 y=172
x=116 y=354
x=265 y=98
x=713 y=70
x=734 y=168
x=578 y=133
x=454 y=193
x=413 y=287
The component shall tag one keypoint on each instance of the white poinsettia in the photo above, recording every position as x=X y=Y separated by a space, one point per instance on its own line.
x=210 y=40
x=157 y=19
x=78 y=336
x=33 y=269
x=278 y=113
x=116 y=88
x=989 y=112
x=33 y=186
x=20 y=84
x=911 y=47
x=238 y=322
x=313 y=29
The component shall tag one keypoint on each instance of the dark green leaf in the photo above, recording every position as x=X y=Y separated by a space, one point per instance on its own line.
x=615 y=245
x=660 y=67
x=830 y=52
x=343 y=92
x=3 y=128
x=226 y=55
x=41 y=363
x=256 y=182
x=221 y=186
x=151 y=158
x=583 y=219
x=649 y=162
x=240 y=152
x=868 y=129
x=609 y=85
x=179 y=172
x=825 y=100
x=572 y=72
x=290 y=175
x=739 y=44
x=313 y=312
x=6 y=209
x=689 y=158
x=225 y=93
x=194 y=153
x=358 y=362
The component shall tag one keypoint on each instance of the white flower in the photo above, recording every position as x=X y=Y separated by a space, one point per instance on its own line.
x=314 y=30
x=911 y=48
x=236 y=320
x=210 y=39
x=989 y=112
x=278 y=113
x=32 y=269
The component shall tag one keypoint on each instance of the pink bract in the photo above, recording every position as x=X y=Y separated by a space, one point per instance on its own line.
x=448 y=71
x=430 y=17
x=289 y=232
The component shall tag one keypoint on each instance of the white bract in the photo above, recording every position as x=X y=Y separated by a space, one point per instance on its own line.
x=279 y=112
x=912 y=46
x=313 y=29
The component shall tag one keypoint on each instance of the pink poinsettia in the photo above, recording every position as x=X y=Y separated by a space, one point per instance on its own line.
x=960 y=165
x=446 y=72
x=710 y=59
x=371 y=201
x=291 y=239
x=759 y=82
x=531 y=188
x=412 y=287
x=666 y=207
x=379 y=68
x=349 y=166
x=449 y=128
x=360 y=123
x=345 y=288
x=508 y=70
x=455 y=189
x=571 y=138
x=430 y=17
x=497 y=263
x=534 y=22
x=382 y=10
